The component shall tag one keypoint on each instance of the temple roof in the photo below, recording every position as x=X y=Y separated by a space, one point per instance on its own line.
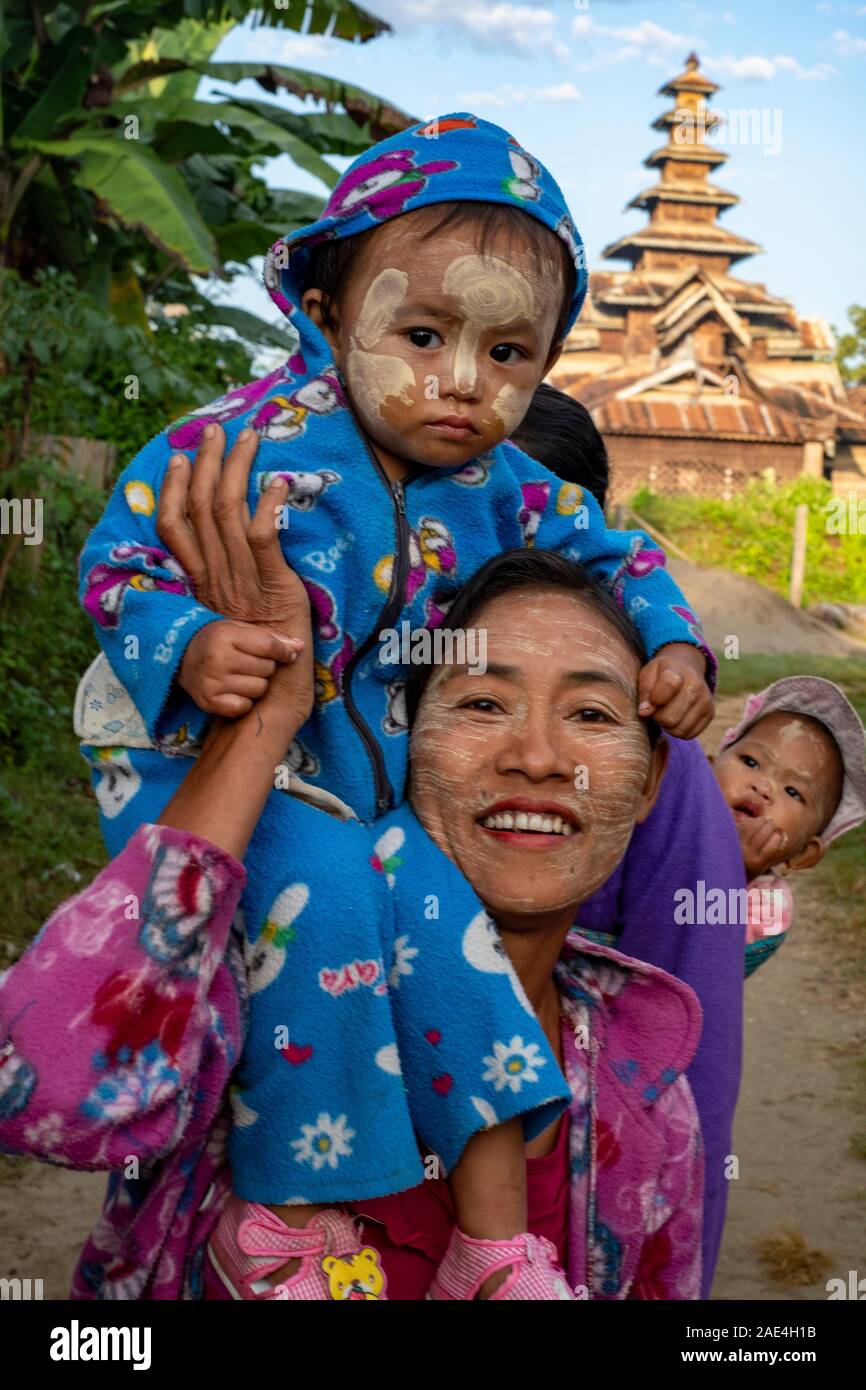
x=702 y=238
x=683 y=192
x=691 y=80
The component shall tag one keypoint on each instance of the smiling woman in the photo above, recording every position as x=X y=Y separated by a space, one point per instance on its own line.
x=561 y=690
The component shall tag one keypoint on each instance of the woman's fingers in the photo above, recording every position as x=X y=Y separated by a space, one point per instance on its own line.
x=172 y=524
x=264 y=532
x=205 y=477
x=231 y=513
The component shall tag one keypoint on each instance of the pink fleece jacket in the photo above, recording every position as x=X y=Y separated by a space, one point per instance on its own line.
x=124 y=1018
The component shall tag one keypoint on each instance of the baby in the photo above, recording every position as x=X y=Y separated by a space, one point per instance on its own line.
x=793 y=772
x=430 y=299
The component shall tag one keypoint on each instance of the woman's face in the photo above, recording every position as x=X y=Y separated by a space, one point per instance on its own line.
x=532 y=776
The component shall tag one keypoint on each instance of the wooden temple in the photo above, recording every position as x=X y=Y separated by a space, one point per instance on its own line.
x=697 y=379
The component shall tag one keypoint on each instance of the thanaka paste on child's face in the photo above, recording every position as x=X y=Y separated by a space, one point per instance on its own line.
x=553 y=721
x=785 y=767
x=466 y=304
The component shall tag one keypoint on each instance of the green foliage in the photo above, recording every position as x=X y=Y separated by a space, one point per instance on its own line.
x=753 y=534
x=112 y=169
x=851 y=347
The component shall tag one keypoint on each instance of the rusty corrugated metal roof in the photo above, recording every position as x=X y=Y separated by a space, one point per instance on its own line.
x=726 y=418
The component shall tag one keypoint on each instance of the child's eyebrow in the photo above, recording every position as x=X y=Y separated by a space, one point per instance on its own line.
x=411 y=308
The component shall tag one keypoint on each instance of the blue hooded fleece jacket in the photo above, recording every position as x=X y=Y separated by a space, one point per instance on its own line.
x=372 y=553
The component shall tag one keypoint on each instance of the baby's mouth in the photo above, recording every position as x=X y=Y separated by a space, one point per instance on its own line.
x=749 y=809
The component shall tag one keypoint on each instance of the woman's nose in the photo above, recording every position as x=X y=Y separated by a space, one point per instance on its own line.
x=531 y=749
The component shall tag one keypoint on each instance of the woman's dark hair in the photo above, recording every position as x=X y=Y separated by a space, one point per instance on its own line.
x=521 y=569
x=559 y=432
x=330 y=262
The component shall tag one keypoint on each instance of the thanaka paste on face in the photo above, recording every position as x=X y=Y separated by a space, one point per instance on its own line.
x=459 y=770
x=491 y=294
x=376 y=376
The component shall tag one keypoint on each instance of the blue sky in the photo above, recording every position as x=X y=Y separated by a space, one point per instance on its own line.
x=576 y=82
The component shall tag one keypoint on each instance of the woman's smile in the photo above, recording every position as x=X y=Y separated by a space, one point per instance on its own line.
x=524 y=823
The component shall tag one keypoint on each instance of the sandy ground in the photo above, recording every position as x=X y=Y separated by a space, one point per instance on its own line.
x=732 y=605
x=794 y=1120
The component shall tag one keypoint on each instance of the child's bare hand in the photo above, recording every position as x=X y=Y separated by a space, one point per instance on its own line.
x=762 y=842
x=228 y=666
x=672 y=689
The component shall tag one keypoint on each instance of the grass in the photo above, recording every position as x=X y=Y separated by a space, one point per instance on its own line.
x=788 y=1260
x=49 y=833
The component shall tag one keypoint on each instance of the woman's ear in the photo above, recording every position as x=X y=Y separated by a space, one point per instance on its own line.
x=652 y=785
x=807 y=858
x=312 y=305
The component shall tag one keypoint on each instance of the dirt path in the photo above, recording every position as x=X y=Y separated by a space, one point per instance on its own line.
x=795 y=1117
x=796 y=1114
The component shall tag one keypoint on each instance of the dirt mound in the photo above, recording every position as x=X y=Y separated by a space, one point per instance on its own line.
x=731 y=605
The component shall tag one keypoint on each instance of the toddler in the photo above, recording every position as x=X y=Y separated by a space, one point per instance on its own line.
x=793 y=772
x=430 y=299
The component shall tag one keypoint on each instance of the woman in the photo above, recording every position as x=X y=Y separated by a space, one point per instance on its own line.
x=140 y=975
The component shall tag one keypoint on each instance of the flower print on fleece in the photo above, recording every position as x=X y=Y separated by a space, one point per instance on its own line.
x=513 y=1064
x=325 y=1142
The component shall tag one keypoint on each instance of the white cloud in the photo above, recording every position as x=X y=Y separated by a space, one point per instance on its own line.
x=815 y=74
x=649 y=41
x=300 y=48
x=848 y=44
x=528 y=29
x=754 y=67
x=564 y=91
x=508 y=95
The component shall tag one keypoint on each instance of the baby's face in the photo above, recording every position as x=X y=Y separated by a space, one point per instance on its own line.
x=786 y=767
x=441 y=348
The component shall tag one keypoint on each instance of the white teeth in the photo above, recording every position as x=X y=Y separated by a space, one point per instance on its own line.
x=522 y=820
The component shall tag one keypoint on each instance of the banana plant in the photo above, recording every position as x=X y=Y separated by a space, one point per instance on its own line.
x=113 y=168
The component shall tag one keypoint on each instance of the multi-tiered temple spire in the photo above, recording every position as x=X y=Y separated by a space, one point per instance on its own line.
x=684 y=206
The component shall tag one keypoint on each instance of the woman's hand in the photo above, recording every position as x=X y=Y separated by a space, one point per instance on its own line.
x=237 y=568
x=236 y=565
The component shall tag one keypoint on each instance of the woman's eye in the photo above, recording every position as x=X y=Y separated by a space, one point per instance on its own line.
x=424 y=338
x=502 y=353
x=592 y=716
x=482 y=704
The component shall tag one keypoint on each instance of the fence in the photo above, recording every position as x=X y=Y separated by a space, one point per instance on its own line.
x=678 y=477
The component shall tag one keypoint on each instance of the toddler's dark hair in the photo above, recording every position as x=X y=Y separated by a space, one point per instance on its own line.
x=520 y=569
x=559 y=432
x=330 y=262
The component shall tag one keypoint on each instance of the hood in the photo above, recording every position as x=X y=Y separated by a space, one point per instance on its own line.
x=454 y=158
x=652 y=1021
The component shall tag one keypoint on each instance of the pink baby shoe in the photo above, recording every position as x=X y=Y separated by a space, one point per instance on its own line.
x=534 y=1270
x=250 y=1242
